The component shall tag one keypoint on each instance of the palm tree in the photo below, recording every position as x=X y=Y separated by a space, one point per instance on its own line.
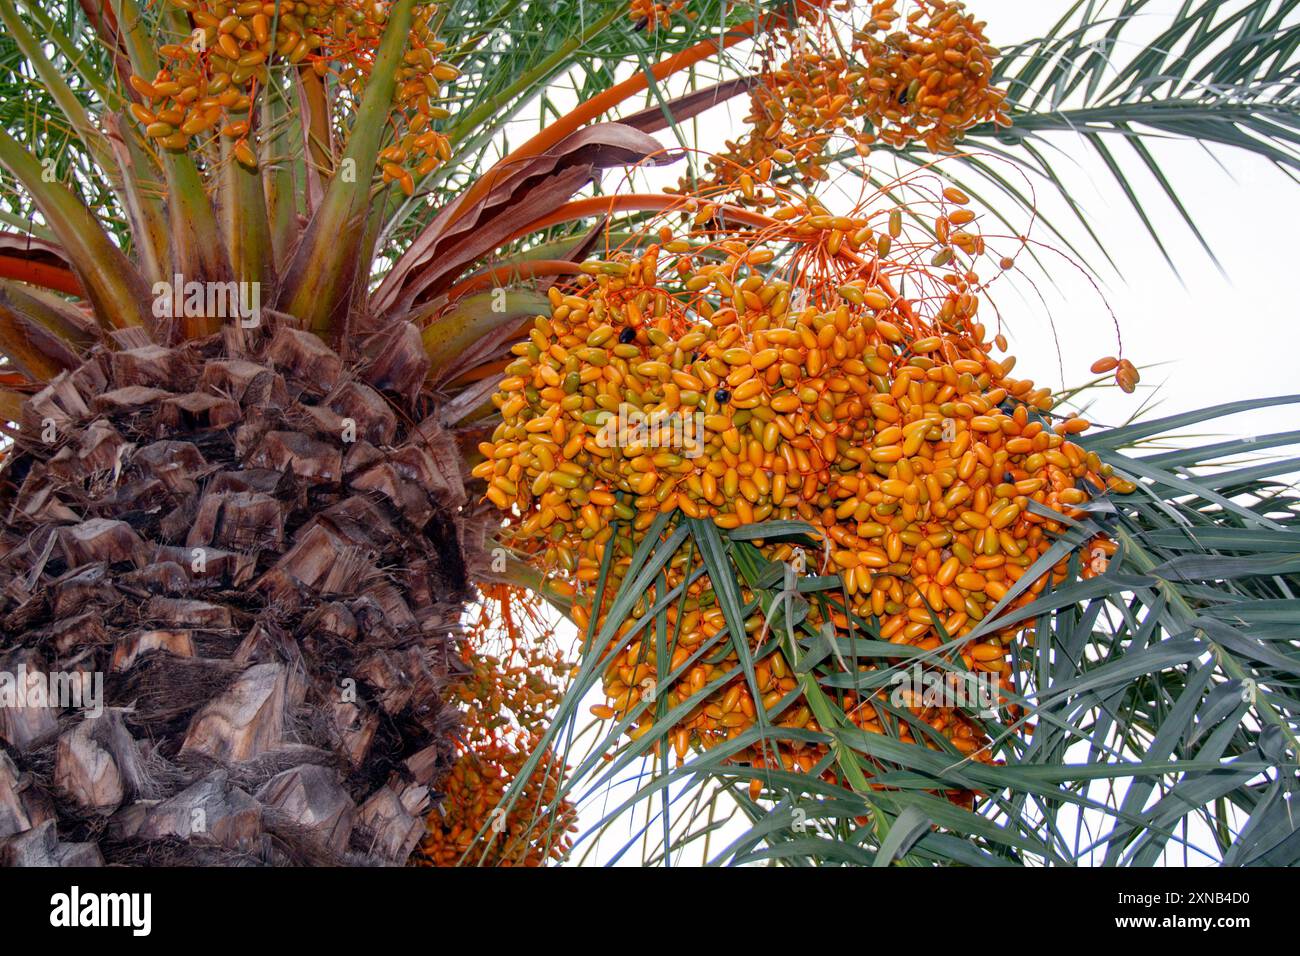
x=266 y=266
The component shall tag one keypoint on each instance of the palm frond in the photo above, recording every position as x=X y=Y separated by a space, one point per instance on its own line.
x=1219 y=74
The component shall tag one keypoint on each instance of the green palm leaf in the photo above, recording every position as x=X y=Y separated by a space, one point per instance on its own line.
x=1165 y=709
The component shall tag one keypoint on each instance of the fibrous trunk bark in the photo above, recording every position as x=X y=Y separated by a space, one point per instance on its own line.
x=254 y=551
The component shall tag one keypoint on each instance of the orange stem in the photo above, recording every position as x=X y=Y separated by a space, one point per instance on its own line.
x=518 y=270
x=480 y=372
x=39 y=274
x=605 y=205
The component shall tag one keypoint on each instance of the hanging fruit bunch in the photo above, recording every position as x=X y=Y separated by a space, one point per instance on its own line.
x=206 y=88
x=925 y=81
x=1126 y=373
x=928 y=84
x=651 y=16
x=820 y=393
x=514 y=671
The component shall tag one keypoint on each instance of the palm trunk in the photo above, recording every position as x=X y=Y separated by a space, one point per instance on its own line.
x=257 y=556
